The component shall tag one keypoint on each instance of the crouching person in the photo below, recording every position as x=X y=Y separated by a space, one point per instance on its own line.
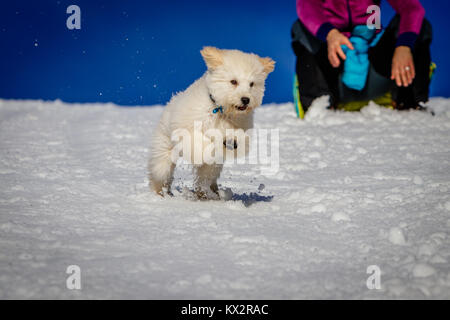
x=340 y=56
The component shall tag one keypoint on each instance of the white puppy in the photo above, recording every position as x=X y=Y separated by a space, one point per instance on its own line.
x=223 y=98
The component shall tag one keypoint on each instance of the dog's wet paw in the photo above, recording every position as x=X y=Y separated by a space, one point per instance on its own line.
x=204 y=195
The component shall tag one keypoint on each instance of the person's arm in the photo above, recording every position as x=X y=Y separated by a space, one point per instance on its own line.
x=310 y=13
x=411 y=18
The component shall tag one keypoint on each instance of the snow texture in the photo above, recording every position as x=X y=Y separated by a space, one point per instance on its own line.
x=353 y=190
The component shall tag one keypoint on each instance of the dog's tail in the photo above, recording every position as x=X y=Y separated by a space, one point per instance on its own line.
x=160 y=165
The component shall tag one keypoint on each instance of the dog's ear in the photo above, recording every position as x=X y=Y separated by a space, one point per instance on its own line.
x=212 y=56
x=268 y=64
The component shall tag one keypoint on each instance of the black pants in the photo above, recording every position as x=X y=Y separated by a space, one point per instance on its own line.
x=317 y=77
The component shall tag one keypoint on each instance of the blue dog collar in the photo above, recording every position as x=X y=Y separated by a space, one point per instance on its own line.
x=217 y=108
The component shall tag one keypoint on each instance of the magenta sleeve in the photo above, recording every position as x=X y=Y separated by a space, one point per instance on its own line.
x=310 y=13
x=411 y=17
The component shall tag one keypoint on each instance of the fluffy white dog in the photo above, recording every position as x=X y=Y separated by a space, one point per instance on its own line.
x=223 y=98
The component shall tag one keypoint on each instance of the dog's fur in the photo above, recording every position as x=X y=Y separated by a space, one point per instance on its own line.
x=228 y=79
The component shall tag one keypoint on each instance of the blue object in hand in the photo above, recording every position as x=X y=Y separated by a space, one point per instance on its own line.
x=356 y=66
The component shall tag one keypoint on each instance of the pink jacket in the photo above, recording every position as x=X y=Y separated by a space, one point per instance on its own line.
x=320 y=16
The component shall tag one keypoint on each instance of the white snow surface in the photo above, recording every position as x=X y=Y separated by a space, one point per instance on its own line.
x=353 y=190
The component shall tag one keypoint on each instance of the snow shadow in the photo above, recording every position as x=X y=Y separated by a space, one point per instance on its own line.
x=252 y=198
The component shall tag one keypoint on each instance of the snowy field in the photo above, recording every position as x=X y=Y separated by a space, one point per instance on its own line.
x=353 y=190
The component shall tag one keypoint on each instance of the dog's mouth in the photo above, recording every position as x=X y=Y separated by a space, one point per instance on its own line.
x=241 y=108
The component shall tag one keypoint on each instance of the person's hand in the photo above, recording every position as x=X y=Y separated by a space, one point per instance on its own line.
x=403 y=71
x=334 y=40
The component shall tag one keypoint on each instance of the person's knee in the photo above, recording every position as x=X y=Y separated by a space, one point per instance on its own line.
x=298 y=48
x=300 y=34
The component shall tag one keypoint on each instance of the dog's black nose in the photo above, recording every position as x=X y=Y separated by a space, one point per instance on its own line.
x=245 y=100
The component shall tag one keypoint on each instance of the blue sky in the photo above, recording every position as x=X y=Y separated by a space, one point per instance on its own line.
x=141 y=52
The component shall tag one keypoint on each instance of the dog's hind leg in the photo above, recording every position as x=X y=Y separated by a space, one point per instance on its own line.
x=206 y=181
x=160 y=165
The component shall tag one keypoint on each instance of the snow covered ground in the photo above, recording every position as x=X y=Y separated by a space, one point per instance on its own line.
x=353 y=190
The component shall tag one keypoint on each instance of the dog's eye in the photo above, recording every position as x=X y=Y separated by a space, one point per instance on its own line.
x=252 y=84
x=234 y=82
